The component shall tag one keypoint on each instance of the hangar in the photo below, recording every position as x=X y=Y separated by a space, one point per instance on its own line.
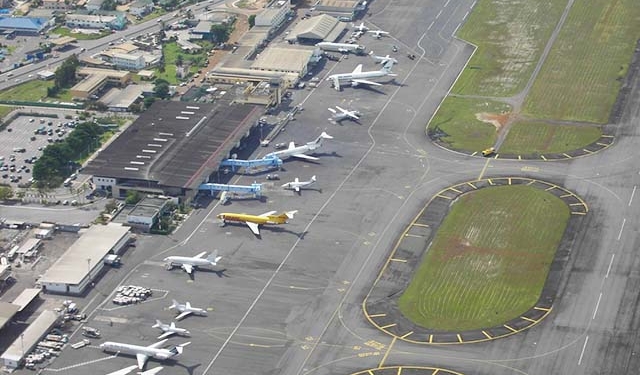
x=173 y=147
x=73 y=271
x=344 y=10
x=7 y=311
x=286 y=60
x=322 y=28
x=29 y=338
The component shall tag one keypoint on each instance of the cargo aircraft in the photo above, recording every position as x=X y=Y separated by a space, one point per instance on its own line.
x=254 y=221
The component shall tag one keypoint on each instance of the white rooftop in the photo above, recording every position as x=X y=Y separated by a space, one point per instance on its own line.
x=25 y=298
x=30 y=336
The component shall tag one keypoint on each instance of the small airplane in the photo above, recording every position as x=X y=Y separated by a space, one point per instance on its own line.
x=170 y=329
x=186 y=309
x=299 y=151
x=378 y=33
x=361 y=28
x=143 y=353
x=190 y=263
x=358 y=77
x=382 y=59
x=297 y=184
x=340 y=114
x=254 y=221
x=127 y=370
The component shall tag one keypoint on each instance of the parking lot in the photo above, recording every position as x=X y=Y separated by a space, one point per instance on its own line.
x=23 y=142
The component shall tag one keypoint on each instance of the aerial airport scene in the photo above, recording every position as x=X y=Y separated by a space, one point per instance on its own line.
x=315 y=187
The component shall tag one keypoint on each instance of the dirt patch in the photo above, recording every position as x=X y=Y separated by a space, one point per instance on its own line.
x=496 y=119
x=250 y=4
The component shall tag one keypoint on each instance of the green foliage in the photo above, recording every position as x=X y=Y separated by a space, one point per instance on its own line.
x=221 y=33
x=108 y=5
x=252 y=20
x=161 y=89
x=65 y=75
x=5 y=193
x=58 y=159
x=148 y=101
x=111 y=206
x=133 y=197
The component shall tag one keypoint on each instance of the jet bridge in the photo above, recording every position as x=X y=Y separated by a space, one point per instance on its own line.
x=255 y=188
x=269 y=162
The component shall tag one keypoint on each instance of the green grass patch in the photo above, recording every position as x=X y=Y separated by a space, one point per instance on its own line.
x=583 y=73
x=65 y=31
x=510 y=36
x=157 y=12
x=489 y=260
x=541 y=138
x=457 y=118
x=5 y=110
x=171 y=51
x=29 y=91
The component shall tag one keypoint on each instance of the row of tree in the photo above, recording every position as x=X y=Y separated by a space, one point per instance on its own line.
x=58 y=159
x=65 y=75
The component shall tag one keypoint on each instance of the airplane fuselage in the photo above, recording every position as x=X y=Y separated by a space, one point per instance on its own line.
x=194 y=311
x=363 y=75
x=243 y=218
x=176 y=331
x=137 y=349
x=179 y=260
x=282 y=154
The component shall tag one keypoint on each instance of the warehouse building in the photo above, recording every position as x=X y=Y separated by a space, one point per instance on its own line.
x=344 y=10
x=322 y=28
x=95 y=79
x=7 y=311
x=75 y=269
x=286 y=60
x=14 y=355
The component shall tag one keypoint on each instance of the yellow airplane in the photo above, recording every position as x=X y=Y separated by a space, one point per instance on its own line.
x=253 y=221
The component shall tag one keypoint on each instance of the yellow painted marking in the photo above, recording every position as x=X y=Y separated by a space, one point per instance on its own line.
x=487 y=335
x=601 y=144
x=607 y=136
x=543 y=158
x=399 y=260
x=510 y=328
x=399 y=371
x=472 y=185
x=474 y=153
x=413 y=235
x=389 y=326
x=459 y=337
x=442 y=196
x=456 y=190
x=509 y=180
x=566 y=195
x=377 y=315
x=576 y=204
x=495 y=157
x=430 y=339
x=528 y=319
x=550 y=188
x=421 y=225
x=541 y=308
x=386 y=354
x=519 y=157
x=370 y=372
x=589 y=151
x=578 y=213
x=484 y=169
x=531 y=182
x=406 y=335
x=566 y=155
x=489 y=181
x=435 y=372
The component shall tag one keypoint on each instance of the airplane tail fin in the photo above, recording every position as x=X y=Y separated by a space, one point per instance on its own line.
x=313 y=178
x=290 y=214
x=178 y=349
x=322 y=136
x=157 y=325
x=174 y=304
x=387 y=66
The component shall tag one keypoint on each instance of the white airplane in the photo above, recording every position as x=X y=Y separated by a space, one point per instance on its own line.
x=190 y=263
x=127 y=370
x=170 y=329
x=300 y=151
x=378 y=33
x=187 y=309
x=297 y=184
x=143 y=353
x=382 y=59
x=358 y=77
x=340 y=114
x=361 y=28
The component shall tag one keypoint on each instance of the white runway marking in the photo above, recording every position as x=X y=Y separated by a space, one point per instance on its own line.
x=586 y=340
x=431 y=25
x=447 y=3
x=632 y=194
x=595 y=311
x=621 y=228
x=610 y=264
x=439 y=13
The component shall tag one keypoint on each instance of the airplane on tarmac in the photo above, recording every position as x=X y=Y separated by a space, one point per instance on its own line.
x=378 y=33
x=382 y=59
x=361 y=28
x=358 y=77
x=299 y=151
x=190 y=263
x=186 y=309
x=143 y=353
x=254 y=221
x=127 y=370
x=170 y=329
x=340 y=114
x=297 y=184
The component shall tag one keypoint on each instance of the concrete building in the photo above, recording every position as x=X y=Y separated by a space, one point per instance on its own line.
x=141 y=8
x=93 y=5
x=286 y=60
x=7 y=311
x=25 y=298
x=29 y=248
x=121 y=100
x=128 y=62
x=147 y=212
x=94 y=79
x=56 y=4
x=344 y=10
x=275 y=15
x=75 y=269
x=14 y=355
x=89 y=21
x=322 y=28
x=24 y=25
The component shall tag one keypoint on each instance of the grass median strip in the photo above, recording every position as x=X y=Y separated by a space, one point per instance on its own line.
x=536 y=137
x=489 y=260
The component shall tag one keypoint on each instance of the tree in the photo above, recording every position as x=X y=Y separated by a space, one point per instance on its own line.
x=179 y=60
x=148 y=100
x=65 y=75
x=133 y=197
x=161 y=89
x=5 y=193
x=220 y=33
x=252 y=20
x=108 y=5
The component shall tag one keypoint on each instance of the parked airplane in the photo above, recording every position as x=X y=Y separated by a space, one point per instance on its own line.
x=340 y=114
x=170 y=329
x=143 y=353
x=186 y=309
x=127 y=370
x=297 y=184
x=254 y=221
x=382 y=59
x=378 y=33
x=190 y=263
x=361 y=28
x=358 y=77
x=299 y=151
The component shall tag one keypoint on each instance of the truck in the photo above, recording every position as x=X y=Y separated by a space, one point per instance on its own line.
x=341 y=47
x=112 y=260
x=81 y=344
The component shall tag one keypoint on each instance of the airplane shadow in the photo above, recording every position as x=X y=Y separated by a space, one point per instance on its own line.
x=220 y=273
x=174 y=363
x=319 y=190
x=372 y=89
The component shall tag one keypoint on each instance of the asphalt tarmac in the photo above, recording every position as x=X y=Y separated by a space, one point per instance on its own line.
x=290 y=302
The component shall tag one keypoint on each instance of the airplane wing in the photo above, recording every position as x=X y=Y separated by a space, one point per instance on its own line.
x=254 y=228
x=292 y=145
x=336 y=83
x=201 y=254
x=183 y=314
x=268 y=213
x=358 y=69
x=153 y=371
x=297 y=180
x=297 y=188
x=188 y=268
x=331 y=110
x=124 y=371
x=142 y=359
x=365 y=82
x=306 y=157
x=353 y=116
x=342 y=110
x=157 y=345
x=165 y=335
